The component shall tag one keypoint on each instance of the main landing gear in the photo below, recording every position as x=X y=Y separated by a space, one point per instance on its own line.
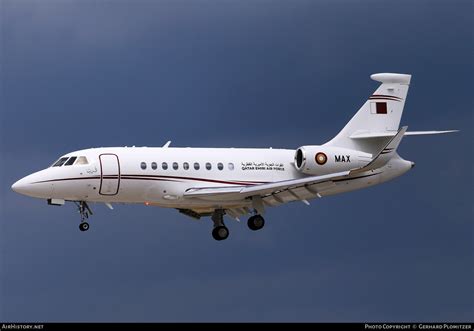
x=256 y=222
x=84 y=211
x=221 y=232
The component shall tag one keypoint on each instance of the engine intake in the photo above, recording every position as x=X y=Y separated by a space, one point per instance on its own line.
x=299 y=158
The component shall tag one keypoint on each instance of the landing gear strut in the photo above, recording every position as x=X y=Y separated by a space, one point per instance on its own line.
x=256 y=222
x=220 y=231
x=84 y=211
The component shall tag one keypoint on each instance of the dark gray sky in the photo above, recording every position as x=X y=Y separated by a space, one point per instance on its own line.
x=80 y=74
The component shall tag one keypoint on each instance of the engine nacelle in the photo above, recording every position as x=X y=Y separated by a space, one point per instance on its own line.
x=321 y=160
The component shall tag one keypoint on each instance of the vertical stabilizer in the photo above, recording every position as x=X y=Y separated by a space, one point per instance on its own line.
x=381 y=113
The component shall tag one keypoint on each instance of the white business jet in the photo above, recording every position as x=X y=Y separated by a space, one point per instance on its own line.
x=233 y=181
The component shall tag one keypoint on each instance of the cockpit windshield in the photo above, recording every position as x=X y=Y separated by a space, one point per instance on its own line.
x=60 y=162
x=68 y=161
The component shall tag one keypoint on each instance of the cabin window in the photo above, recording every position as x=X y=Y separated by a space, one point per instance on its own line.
x=185 y=165
x=220 y=166
x=175 y=165
x=164 y=165
x=143 y=165
x=196 y=166
x=70 y=161
x=230 y=166
x=208 y=166
x=60 y=162
x=154 y=165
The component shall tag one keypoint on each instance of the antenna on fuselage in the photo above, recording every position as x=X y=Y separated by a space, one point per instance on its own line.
x=167 y=144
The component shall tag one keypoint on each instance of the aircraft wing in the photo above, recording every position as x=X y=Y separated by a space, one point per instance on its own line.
x=272 y=193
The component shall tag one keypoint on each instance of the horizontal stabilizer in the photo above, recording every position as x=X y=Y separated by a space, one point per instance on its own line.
x=367 y=135
x=391 y=78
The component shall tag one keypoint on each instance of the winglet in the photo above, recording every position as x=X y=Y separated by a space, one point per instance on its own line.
x=395 y=141
x=167 y=144
x=385 y=154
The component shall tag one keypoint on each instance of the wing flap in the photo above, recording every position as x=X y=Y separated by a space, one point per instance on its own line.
x=271 y=201
x=269 y=188
x=285 y=196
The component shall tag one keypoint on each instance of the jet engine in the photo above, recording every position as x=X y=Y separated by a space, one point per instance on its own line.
x=321 y=160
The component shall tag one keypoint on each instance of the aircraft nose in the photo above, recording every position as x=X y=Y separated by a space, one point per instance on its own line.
x=20 y=186
x=35 y=185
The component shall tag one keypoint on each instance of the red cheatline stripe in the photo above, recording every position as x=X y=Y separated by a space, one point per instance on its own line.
x=383 y=98
x=140 y=178
x=66 y=179
x=151 y=177
x=200 y=179
x=387 y=96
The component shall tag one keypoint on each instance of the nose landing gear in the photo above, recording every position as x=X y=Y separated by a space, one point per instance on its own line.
x=84 y=211
x=84 y=226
